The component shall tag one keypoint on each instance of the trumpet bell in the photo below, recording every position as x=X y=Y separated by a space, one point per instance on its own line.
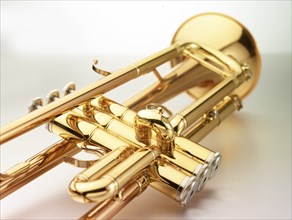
x=141 y=142
x=223 y=33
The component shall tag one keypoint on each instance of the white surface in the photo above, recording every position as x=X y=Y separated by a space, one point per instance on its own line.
x=45 y=45
x=79 y=27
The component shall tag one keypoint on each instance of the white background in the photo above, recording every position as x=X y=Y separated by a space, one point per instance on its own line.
x=44 y=45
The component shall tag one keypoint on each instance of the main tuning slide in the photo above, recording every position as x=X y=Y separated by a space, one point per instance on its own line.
x=142 y=143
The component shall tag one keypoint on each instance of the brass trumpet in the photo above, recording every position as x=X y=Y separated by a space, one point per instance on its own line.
x=141 y=142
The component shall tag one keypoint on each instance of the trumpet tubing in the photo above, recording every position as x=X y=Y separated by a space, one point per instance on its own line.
x=140 y=142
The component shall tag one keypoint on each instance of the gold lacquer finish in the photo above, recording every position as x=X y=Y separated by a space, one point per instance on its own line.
x=232 y=39
x=140 y=142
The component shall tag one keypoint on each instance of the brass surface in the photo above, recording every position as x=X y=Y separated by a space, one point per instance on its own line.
x=141 y=143
x=233 y=39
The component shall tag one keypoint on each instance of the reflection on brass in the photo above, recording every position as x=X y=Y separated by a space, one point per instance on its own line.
x=141 y=143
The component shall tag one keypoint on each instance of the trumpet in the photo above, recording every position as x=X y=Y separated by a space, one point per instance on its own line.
x=140 y=142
